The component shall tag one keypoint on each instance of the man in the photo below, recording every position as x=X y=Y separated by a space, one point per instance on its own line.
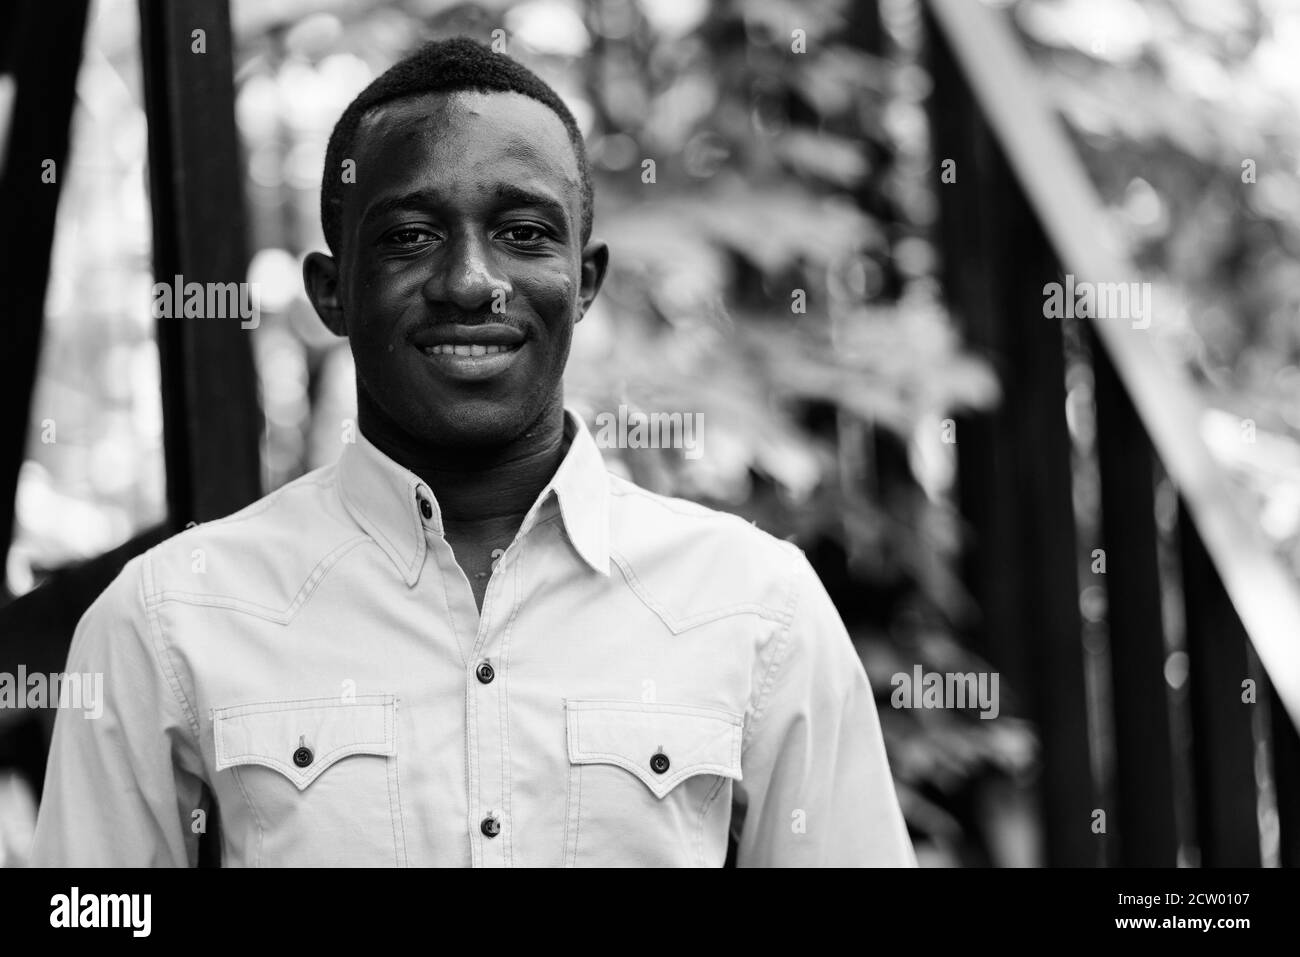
x=466 y=643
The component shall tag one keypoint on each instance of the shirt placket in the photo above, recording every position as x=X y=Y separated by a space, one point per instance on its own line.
x=483 y=639
x=487 y=745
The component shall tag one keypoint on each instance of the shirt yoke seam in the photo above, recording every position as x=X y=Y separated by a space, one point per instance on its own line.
x=278 y=616
x=679 y=625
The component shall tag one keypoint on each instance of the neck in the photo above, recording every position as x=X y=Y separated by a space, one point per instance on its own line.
x=475 y=486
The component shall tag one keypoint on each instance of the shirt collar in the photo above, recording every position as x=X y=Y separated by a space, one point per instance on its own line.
x=384 y=498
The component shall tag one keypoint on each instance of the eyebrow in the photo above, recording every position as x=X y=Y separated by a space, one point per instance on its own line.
x=518 y=196
x=513 y=195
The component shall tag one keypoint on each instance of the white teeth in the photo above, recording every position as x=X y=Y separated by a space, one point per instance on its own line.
x=471 y=349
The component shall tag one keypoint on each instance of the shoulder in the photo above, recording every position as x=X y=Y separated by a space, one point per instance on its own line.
x=699 y=562
x=259 y=556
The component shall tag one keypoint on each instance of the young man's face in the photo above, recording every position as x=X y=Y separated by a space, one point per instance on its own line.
x=461 y=271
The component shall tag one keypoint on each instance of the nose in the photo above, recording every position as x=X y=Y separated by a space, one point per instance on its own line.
x=465 y=277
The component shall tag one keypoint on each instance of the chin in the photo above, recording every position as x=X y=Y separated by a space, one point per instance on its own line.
x=476 y=425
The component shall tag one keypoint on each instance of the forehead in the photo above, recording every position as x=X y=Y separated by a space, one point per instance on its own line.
x=448 y=138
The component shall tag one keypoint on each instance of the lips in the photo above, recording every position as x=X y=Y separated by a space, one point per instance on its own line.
x=456 y=335
x=470 y=353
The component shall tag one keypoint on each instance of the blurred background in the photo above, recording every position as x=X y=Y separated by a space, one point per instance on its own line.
x=853 y=327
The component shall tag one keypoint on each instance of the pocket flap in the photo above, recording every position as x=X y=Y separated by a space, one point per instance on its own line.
x=662 y=744
x=329 y=729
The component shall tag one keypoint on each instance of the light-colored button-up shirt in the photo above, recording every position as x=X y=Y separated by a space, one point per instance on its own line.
x=646 y=675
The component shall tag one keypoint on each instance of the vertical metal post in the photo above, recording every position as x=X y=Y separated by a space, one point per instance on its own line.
x=40 y=51
x=211 y=421
x=1145 y=805
x=1223 y=744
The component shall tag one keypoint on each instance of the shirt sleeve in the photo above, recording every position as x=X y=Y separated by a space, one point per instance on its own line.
x=816 y=788
x=121 y=787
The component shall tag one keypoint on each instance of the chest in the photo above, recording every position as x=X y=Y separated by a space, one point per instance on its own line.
x=562 y=723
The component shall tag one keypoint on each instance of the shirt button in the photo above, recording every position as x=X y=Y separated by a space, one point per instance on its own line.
x=485 y=672
x=490 y=827
x=659 y=762
x=303 y=757
x=426 y=509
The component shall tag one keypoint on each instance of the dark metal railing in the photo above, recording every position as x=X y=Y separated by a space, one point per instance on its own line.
x=1021 y=214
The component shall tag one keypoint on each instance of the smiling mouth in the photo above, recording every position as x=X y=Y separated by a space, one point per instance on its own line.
x=471 y=362
x=471 y=352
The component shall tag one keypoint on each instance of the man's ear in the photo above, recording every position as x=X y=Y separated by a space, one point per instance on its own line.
x=595 y=260
x=320 y=275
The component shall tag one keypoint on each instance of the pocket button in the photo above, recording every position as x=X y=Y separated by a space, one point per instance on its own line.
x=302 y=757
x=659 y=762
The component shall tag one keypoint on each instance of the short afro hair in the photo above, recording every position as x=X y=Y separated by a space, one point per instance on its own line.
x=443 y=66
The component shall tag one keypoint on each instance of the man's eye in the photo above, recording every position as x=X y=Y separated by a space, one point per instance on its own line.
x=410 y=236
x=523 y=234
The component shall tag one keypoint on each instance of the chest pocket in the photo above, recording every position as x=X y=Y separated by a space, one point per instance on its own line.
x=649 y=784
x=319 y=776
